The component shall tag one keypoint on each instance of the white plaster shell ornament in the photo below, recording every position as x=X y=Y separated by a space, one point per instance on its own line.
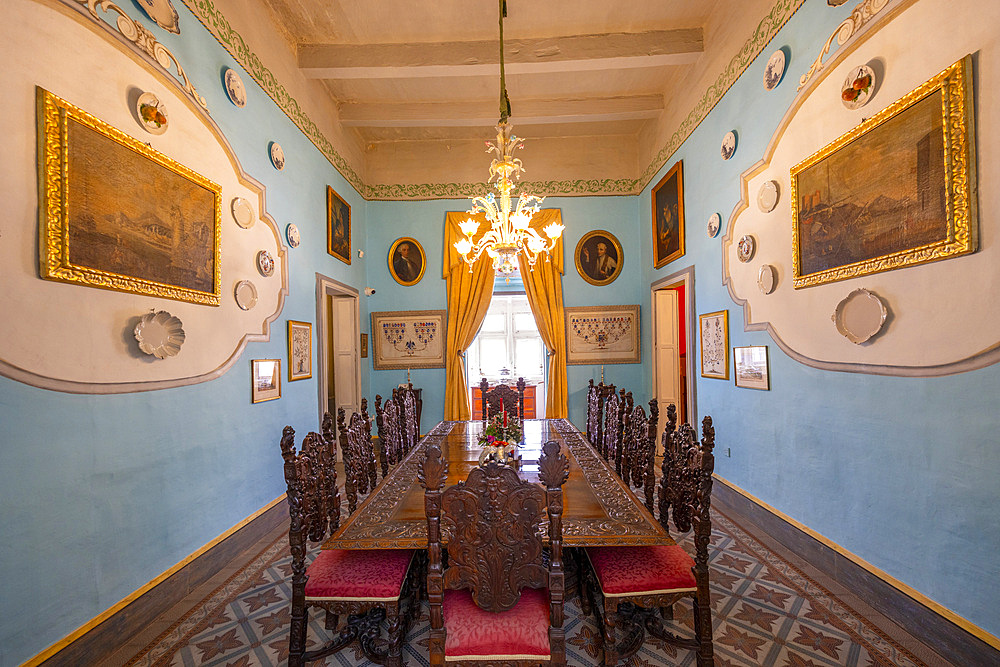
x=159 y=334
x=163 y=13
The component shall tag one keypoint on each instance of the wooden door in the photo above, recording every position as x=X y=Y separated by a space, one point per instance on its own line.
x=344 y=377
x=666 y=355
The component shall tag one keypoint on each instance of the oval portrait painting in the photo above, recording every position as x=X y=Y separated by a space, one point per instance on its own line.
x=407 y=261
x=599 y=257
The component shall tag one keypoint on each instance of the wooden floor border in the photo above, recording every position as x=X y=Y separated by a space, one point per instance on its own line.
x=103 y=634
x=934 y=624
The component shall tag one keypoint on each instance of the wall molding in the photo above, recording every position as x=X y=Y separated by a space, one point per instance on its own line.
x=103 y=634
x=933 y=623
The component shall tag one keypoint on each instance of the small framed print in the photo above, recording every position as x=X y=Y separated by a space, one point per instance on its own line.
x=714 y=337
x=751 y=367
x=265 y=380
x=364 y=346
x=299 y=350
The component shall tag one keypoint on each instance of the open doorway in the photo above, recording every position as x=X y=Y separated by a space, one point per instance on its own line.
x=338 y=321
x=673 y=311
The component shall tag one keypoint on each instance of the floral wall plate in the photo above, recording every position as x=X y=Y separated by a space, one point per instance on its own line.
x=234 y=88
x=767 y=196
x=152 y=113
x=714 y=223
x=774 y=70
x=858 y=88
x=277 y=156
x=159 y=334
x=163 y=13
x=292 y=234
x=746 y=248
x=242 y=212
x=265 y=263
x=859 y=316
x=728 y=145
x=245 y=294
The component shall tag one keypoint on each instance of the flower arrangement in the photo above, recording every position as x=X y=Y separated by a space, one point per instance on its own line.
x=500 y=438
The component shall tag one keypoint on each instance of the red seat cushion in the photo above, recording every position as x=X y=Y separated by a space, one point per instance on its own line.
x=357 y=574
x=521 y=633
x=625 y=571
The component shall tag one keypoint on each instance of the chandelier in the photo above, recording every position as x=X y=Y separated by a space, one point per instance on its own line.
x=510 y=233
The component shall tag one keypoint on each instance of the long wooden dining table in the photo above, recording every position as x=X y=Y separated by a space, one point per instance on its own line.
x=598 y=508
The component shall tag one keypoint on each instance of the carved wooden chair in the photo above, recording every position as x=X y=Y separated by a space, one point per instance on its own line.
x=390 y=433
x=339 y=581
x=595 y=413
x=489 y=605
x=411 y=429
x=359 y=454
x=502 y=397
x=658 y=576
x=615 y=409
x=639 y=451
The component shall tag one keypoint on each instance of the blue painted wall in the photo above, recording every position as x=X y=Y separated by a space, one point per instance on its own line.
x=900 y=471
x=101 y=494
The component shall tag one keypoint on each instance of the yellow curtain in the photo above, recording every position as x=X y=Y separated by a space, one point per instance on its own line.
x=469 y=296
x=543 y=285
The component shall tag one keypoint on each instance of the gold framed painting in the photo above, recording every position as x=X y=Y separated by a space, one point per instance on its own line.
x=599 y=257
x=668 y=217
x=407 y=261
x=896 y=191
x=265 y=380
x=713 y=334
x=118 y=215
x=751 y=367
x=299 y=350
x=338 y=226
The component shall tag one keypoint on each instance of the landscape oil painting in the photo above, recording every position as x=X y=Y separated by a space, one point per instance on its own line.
x=124 y=217
x=888 y=194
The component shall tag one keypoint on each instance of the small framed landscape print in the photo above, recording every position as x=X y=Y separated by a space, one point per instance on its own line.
x=714 y=336
x=338 y=226
x=265 y=380
x=668 y=217
x=599 y=257
x=407 y=261
x=751 y=367
x=299 y=350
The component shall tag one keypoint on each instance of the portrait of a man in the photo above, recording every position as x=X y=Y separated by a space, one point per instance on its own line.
x=599 y=257
x=668 y=217
x=406 y=261
x=338 y=226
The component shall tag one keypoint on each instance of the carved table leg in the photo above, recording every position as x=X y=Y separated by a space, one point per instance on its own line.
x=610 y=613
x=394 y=655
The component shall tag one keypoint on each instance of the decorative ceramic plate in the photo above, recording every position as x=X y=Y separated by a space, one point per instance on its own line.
x=234 y=88
x=775 y=70
x=728 y=145
x=858 y=87
x=859 y=316
x=152 y=113
x=242 y=213
x=767 y=279
x=160 y=334
x=246 y=294
x=746 y=248
x=767 y=196
x=292 y=234
x=277 y=156
x=714 y=223
x=163 y=13
x=265 y=263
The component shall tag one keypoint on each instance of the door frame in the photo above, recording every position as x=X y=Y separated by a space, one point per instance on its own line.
x=684 y=277
x=325 y=287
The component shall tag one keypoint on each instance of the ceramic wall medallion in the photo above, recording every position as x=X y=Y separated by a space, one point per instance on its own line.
x=728 y=145
x=277 y=156
x=159 y=334
x=235 y=89
x=774 y=70
x=163 y=13
x=714 y=224
x=858 y=88
x=767 y=196
x=859 y=316
x=767 y=279
x=265 y=263
x=152 y=113
x=245 y=294
x=242 y=212
x=746 y=248
x=292 y=234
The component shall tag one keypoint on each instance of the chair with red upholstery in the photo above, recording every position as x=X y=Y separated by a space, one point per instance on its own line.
x=339 y=581
x=496 y=602
x=655 y=577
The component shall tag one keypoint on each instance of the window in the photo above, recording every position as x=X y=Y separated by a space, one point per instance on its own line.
x=508 y=345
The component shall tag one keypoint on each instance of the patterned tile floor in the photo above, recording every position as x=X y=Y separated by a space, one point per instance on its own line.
x=766 y=611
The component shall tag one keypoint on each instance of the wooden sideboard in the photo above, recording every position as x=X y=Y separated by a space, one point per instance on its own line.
x=529 y=402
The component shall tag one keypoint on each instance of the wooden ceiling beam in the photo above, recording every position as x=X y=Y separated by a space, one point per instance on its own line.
x=609 y=51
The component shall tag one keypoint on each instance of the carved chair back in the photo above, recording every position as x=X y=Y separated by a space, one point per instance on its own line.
x=688 y=466
x=390 y=432
x=666 y=486
x=612 y=433
x=595 y=413
x=411 y=429
x=493 y=523
x=639 y=450
x=359 y=454
x=502 y=397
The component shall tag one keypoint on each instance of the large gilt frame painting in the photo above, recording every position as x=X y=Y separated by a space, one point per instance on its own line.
x=668 y=217
x=116 y=214
x=897 y=190
x=338 y=226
